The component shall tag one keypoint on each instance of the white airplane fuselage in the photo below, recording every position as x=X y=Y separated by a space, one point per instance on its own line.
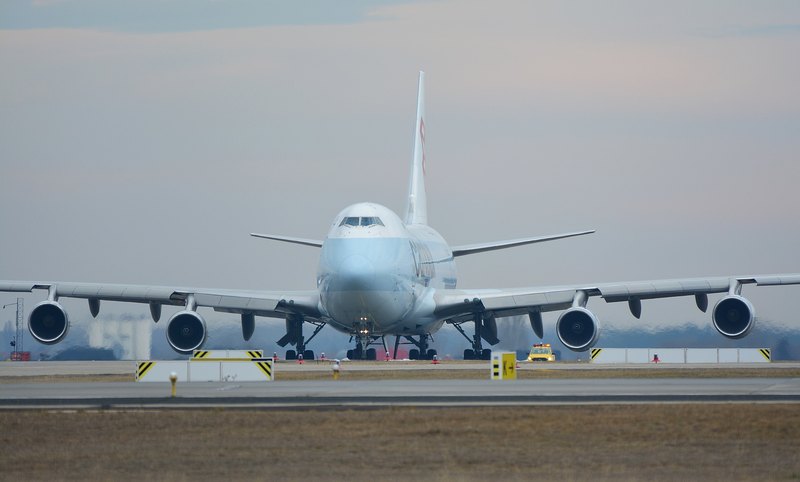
x=377 y=275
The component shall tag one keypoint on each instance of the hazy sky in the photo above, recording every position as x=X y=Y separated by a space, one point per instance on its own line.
x=140 y=142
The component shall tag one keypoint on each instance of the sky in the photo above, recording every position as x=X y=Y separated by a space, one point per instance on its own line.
x=140 y=142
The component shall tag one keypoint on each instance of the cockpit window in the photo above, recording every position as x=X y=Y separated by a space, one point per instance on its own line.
x=362 y=221
x=349 y=222
x=371 y=221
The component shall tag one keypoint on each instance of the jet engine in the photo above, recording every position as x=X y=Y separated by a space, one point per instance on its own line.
x=186 y=331
x=48 y=322
x=734 y=316
x=578 y=329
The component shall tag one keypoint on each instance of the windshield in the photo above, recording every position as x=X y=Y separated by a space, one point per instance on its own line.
x=361 y=221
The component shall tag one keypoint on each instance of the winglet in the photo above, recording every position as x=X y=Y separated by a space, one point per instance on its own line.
x=417 y=212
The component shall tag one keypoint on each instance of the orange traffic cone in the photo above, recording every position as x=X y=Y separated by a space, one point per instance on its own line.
x=435 y=360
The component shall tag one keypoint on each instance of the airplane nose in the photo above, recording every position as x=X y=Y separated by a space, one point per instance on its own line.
x=355 y=273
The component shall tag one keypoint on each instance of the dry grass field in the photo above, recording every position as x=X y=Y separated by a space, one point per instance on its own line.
x=441 y=373
x=594 y=442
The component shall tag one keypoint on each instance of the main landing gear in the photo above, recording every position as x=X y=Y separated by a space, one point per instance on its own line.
x=294 y=336
x=421 y=352
x=485 y=329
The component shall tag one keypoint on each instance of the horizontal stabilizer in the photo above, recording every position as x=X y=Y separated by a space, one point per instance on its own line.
x=480 y=248
x=288 y=239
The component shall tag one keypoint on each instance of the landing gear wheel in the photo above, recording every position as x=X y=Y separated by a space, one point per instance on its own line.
x=349 y=354
x=469 y=354
x=431 y=353
x=291 y=355
x=372 y=354
x=413 y=354
x=487 y=354
x=308 y=355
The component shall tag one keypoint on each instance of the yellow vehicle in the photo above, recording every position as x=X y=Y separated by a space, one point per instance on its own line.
x=541 y=352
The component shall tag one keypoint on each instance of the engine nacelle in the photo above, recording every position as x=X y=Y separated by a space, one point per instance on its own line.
x=734 y=317
x=578 y=329
x=186 y=331
x=48 y=322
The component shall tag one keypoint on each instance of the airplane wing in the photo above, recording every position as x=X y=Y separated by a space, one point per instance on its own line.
x=289 y=239
x=483 y=247
x=259 y=303
x=734 y=320
x=49 y=323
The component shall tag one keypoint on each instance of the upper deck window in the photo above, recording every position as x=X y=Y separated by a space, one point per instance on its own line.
x=362 y=221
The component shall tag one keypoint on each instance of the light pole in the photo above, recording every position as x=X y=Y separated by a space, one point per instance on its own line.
x=17 y=343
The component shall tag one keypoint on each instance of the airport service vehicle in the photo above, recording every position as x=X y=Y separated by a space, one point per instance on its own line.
x=380 y=274
x=541 y=352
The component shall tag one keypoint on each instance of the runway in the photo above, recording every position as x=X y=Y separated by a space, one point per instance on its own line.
x=372 y=393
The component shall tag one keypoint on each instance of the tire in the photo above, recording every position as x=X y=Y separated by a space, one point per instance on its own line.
x=431 y=353
x=372 y=354
x=413 y=354
x=291 y=355
x=469 y=354
x=349 y=354
x=487 y=354
x=308 y=355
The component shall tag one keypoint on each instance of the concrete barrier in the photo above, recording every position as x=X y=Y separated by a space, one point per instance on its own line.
x=681 y=355
x=257 y=370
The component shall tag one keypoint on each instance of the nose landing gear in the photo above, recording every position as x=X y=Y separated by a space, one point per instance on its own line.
x=363 y=341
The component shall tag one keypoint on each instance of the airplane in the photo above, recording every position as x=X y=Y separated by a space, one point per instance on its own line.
x=381 y=275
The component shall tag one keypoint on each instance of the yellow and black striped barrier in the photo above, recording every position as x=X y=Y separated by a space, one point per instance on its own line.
x=142 y=368
x=227 y=355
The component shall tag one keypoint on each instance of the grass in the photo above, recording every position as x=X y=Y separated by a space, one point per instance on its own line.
x=442 y=373
x=624 y=442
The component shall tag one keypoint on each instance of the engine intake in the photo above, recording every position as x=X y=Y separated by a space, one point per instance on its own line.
x=186 y=331
x=48 y=322
x=578 y=329
x=734 y=316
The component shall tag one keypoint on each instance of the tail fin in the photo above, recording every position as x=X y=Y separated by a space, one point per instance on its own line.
x=417 y=212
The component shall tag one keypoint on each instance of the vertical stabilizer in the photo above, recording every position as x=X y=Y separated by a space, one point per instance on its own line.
x=417 y=212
